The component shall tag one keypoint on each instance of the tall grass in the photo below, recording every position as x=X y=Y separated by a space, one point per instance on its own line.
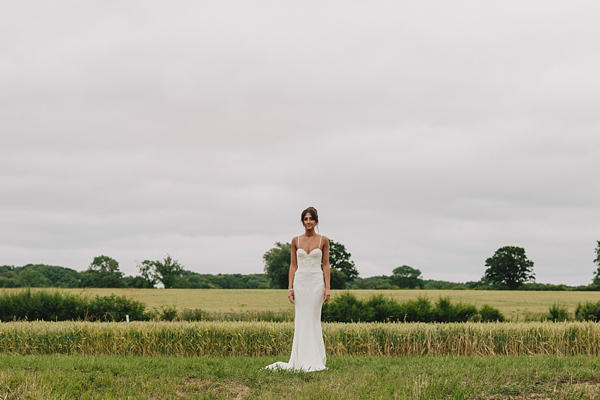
x=265 y=338
x=232 y=316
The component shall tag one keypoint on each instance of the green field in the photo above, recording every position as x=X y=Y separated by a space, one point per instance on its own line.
x=108 y=377
x=515 y=305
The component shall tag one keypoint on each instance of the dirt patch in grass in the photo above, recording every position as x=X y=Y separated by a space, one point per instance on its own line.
x=557 y=389
x=230 y=389
x=536 y=396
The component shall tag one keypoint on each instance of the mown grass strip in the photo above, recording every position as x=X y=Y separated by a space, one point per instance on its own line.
x=358 y=377
x=267 y=339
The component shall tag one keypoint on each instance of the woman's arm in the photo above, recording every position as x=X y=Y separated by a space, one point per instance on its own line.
x=326 y=269
x=293 y=268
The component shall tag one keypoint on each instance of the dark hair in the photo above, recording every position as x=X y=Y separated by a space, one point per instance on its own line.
x=313 y=213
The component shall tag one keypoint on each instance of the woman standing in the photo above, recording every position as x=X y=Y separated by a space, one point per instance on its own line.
x=308 y=289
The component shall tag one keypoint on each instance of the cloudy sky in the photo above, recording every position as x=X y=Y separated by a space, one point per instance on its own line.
x=426 y=133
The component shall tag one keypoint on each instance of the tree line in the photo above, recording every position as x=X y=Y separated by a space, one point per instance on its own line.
x=508 y=268
x=104 y=272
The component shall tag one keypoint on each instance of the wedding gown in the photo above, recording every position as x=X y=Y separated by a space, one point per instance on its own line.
x=308 y=348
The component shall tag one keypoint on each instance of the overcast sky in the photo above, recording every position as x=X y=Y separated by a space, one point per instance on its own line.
x=428 y=134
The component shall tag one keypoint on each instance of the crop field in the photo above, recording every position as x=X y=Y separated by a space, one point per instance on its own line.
x=515 y=305
x=275 y=338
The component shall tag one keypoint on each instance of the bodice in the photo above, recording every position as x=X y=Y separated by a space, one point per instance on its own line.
x=309 y=263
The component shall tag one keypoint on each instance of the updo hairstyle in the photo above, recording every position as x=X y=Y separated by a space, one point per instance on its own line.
x=313 y=212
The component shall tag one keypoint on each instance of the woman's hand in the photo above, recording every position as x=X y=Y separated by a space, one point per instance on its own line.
x=291 y=296
x=326 y=295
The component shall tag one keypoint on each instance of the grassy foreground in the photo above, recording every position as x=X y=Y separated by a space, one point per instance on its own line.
x=515 y=305
x=269 y=339
x=105 y=377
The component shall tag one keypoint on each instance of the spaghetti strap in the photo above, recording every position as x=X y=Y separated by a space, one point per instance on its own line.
x=320 y=241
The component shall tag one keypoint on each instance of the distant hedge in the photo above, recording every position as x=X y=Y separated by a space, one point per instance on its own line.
x=347 y=308
x=59 y=306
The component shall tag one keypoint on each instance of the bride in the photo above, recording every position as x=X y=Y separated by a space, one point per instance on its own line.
x=308 y=289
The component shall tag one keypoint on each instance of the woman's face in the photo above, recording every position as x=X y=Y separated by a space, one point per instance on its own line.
x=308 y=221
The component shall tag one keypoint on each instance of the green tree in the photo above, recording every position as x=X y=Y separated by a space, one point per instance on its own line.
x=277 y=265
x=257 y=281
x=372 y=282
x=7 y=282
x=166 y=271
x=54 y=276
x=406 y=277
x=103 y=272
x=8 y=276
x=32 y=278
x=597 y=262
x=339 y=259
x=337 y=279
x=509 y=267
x=137 y=282
x=57 y=276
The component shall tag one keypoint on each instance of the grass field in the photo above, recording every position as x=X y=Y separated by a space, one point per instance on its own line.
x=106 y=377
x=515 y=305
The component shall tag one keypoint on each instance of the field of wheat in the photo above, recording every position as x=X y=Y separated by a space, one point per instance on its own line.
x=267 y=339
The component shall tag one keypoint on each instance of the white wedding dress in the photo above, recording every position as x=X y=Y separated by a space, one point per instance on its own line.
x=308 y=348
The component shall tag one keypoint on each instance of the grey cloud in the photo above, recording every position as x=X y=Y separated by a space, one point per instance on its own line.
x=427 y=134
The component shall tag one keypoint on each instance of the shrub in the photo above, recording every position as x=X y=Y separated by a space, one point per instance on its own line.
x=193 y=315
x=588 y=311
x=445 y=311
x=347 y=308
x=558 y=313
x=380 y=308
x=490 y=314
x=115 y=308
x=39 y=305
x=59 y=306
x=167 y=313
x=419 y=310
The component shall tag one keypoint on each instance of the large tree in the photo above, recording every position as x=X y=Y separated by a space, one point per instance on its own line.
x=597 y=262
x=277 y=265
x=509 y=267
x=406 y=277
x=103 y=272
x=339 y=260
x=166 y=271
